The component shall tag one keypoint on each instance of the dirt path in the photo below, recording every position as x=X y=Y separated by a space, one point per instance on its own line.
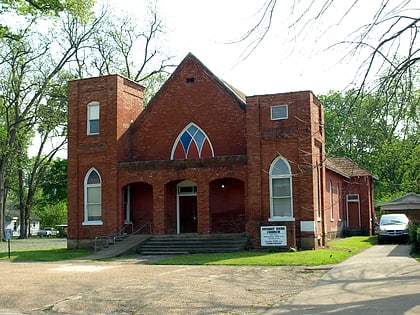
x=131 y=286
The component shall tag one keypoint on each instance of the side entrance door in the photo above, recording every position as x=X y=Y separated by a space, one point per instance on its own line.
x=188 y=214
x=187 y=207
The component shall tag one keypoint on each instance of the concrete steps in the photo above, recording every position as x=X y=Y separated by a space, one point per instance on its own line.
x=193 y=243
x=123 y=246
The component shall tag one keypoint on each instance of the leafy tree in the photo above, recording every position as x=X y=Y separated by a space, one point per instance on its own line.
x=35 y=66
x=43 y=8
x=52 y=214
x=54 y=182
x=380 y=133
x=31 y=68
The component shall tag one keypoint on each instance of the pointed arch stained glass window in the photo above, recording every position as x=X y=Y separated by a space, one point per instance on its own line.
x=192 y=142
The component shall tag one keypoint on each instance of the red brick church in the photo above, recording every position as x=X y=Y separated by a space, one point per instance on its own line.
x=204 y=158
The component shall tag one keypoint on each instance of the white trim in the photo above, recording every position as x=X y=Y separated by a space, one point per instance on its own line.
x=127 y=194
x=84 y=223
x=331 y=202
x=271 y=178
x=88 y=120
x=85 y=204
x=275 y=219
x=185 y=183
x=182 y=132
x=279 y=106
x=358 y=208
x=338 y=202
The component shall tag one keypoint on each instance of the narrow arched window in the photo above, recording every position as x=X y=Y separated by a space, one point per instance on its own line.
x=192 y=142
x=93 y=118
x=93 y=199
x=281 y=203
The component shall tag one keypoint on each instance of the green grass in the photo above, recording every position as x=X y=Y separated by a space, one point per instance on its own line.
x=51 y=254
x=336 y=252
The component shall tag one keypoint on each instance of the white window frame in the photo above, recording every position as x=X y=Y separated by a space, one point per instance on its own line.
x=91 y=117
x=317 y=193
x=279 y=106
x=339 y=203
x=86 y=204
x=352 y=197
x=272 y=198
x=332 y=202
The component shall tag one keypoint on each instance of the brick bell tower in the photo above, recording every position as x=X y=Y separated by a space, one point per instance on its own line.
x=100 y=111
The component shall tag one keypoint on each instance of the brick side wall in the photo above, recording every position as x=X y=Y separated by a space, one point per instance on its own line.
x=98 y=151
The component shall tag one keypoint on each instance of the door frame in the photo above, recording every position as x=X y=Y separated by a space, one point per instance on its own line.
x=185 y=188
x=353 y=199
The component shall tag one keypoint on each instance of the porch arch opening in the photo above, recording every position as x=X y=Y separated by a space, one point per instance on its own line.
x=138 y=207
x=227 y=205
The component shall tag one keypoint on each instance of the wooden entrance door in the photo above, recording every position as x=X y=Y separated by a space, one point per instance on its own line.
x=188 y=214
x=353 y=214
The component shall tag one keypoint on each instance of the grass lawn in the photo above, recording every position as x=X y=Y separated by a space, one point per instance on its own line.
x=39 y=249
x=336 y=252
x=52 y=254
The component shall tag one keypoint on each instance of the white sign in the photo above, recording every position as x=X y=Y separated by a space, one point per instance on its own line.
x=9 y=234
x=273 y=236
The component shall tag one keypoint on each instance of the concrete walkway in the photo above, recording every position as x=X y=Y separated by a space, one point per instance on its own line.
x=381 y=280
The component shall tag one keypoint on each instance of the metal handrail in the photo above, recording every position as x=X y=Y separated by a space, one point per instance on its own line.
x=147 y=224
x=113 y=237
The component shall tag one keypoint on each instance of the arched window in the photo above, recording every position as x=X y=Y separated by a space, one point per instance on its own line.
x=281 y=203
x=93 y=118
x=93 y=199
x=192 y=142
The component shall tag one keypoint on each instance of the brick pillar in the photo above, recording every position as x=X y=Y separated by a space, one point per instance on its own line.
x=158 y=210
x=203 y=208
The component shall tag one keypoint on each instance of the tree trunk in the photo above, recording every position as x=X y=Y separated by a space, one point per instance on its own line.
x=2 y=204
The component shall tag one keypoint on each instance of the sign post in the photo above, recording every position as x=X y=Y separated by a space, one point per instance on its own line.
x=9 y=235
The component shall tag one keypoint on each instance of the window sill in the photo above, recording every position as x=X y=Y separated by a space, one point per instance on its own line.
x=92 y=223
x=275 y=219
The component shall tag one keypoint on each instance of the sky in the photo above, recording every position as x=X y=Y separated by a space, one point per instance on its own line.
x=288 y=59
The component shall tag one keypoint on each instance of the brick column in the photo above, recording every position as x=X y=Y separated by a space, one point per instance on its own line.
x=203 y=208
x=158 y=210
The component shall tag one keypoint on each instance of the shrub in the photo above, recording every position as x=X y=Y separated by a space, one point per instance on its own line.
x=414 y=232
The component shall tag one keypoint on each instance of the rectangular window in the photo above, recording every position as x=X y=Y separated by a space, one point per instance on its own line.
x=339 y=203
x=282 y=199
x=187 y=190
x=279 y=112
x=353 y=198
x=93 y=119
x=93 y=204
x=332 y=202
x=317 y=194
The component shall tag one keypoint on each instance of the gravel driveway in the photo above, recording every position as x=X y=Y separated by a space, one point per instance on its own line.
x=130 y=286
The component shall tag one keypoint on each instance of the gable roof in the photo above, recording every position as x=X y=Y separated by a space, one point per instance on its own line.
x=234 y=92
x=15 y=213
x=346 y=167
x=412 y=199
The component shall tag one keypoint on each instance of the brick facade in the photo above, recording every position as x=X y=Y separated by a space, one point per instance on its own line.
x=143 y=180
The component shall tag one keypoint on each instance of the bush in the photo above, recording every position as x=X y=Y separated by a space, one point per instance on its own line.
x=414 y=232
